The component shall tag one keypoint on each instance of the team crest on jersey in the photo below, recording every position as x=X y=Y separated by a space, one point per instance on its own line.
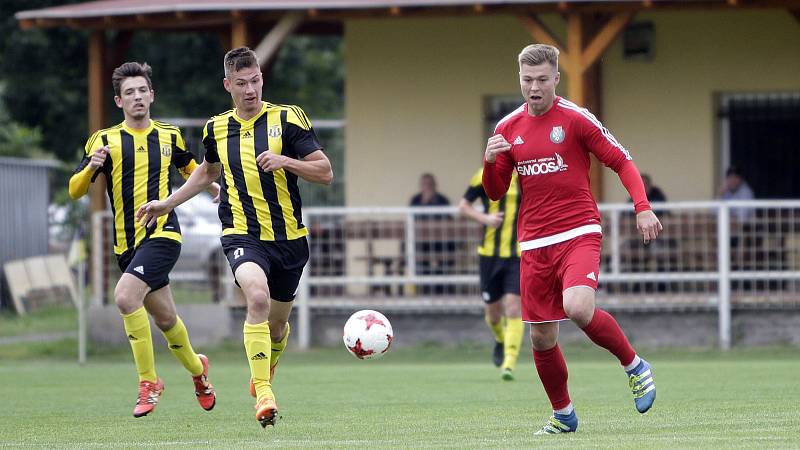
x=274 y=131
x=557 y=135
x=166 y=150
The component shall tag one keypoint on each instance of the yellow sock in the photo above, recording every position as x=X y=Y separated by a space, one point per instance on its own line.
x=178 y=340
x=279 y=347
x=497 y=329
x=513 y=341
x=257 y=349
x=137 y=327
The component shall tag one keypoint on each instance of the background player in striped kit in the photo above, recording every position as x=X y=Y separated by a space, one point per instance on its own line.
x=134 y=157
x=499 y=269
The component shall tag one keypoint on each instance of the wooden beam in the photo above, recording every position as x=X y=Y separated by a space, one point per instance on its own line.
x=541 y=34
x=796 y=14
x=272 y=42
x=96 y=100
x=575 y=49
x=238 y=31
x=604 y=38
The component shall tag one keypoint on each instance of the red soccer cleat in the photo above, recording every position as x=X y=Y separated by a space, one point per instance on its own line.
x=203 y=388
x=267 y=412
x=149 y=394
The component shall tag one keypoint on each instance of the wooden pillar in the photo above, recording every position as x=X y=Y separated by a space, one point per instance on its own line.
x=238 y=30
x=586 y=43
x=97 y=106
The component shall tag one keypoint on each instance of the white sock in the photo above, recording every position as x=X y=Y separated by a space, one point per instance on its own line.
x=633 y=364
x=565 y=411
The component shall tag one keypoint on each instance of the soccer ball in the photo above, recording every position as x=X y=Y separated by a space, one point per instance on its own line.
x=367 y=334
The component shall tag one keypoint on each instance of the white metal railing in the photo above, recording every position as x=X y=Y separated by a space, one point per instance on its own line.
x=711 y=254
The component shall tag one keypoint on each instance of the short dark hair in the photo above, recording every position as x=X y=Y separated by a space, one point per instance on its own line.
x=240 y=58
x=130 y=70
x=733 y=170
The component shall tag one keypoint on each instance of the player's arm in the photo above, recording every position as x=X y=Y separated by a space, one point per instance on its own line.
x=610 y=152
x=200 y=179
x=497 y=167
x=311 y=163
x=86 y=172
x=186 y=165
x=314 y=167
x=474 y=192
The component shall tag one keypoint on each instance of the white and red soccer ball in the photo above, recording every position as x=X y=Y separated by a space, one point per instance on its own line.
x=367 y=334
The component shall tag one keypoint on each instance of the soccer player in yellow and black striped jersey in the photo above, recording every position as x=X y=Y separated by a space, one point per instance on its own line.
x=499 y=269
x=263 y=149
x=134 y=158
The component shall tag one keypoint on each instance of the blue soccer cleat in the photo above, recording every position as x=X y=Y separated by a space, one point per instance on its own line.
x=560 y=423
x=640 y=380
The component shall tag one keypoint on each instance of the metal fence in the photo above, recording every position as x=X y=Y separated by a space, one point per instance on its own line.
x=710 y=256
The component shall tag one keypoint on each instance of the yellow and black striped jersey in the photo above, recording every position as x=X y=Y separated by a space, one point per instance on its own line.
x=265 y=205
x=137 y=171
x=501 y=241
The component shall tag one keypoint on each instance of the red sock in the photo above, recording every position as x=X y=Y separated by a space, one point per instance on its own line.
x=553 y=372
x=604 y=331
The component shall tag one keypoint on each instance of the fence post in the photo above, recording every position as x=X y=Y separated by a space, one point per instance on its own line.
x=724 y=267
x=304 y=309
x=411 y=246
x=98 y=269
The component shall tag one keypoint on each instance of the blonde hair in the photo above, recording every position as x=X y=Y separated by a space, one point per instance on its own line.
x=536 y=54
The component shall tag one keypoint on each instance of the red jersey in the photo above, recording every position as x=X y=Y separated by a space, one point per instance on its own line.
x=550 y=153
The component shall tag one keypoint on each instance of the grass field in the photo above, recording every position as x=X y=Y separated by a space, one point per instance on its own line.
x=425 y=397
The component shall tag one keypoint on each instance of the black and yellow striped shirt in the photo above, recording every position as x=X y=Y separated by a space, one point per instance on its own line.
x=262 y=204
x=137 y=171
x=501 y=241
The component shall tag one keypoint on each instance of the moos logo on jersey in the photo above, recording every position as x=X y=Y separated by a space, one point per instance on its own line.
x=542 y=166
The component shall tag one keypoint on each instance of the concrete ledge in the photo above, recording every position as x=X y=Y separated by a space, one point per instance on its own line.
x=208 y=324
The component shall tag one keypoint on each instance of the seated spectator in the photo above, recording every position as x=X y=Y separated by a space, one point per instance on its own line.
x=736 y=188
x=434 y=256
x=428 y=196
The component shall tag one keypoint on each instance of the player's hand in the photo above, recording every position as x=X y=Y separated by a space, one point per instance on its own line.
x=214 y=190
x=98 y=158
x=269 y=162
x=496 y=144
x=494 y=220
x=148 y=213
x=648 y=224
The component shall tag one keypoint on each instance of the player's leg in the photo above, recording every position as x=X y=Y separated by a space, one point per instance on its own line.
x=129 y=296
x=514 y=331
x=161 y=306
x=581 y=266
x=514 y=328
x=257 y=343
x=287 y=259
x=552 y=370
x=493 y=308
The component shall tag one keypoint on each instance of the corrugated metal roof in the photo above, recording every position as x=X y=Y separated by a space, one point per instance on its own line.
x=107 y=8
x=8 y=161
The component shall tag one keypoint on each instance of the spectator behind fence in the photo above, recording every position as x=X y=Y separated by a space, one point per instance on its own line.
x=434 y=256
x=654 y=193
x=736 y=188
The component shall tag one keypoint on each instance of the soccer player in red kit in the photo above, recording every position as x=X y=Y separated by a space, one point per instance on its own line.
x=547 y=141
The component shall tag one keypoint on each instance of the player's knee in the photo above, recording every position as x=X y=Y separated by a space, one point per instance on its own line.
x=542 y=341
x=257 y=301
x=165 y=320
x=127 y=301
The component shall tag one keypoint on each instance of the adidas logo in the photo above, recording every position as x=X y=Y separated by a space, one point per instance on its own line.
x=591 y=276
x=141 y=149
x=139 y=269
x=518 y=140
x=175 y=346
x=247 y=134
x=132 y=338
x=258 y=356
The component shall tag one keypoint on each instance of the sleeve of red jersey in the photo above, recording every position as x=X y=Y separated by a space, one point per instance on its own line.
x=497 y=175
x=611 y=153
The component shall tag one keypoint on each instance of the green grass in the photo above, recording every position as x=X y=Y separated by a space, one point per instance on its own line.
x=424 y=397
x=52 y=319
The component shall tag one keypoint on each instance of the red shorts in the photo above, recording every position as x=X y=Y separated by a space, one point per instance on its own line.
x=547 y=271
